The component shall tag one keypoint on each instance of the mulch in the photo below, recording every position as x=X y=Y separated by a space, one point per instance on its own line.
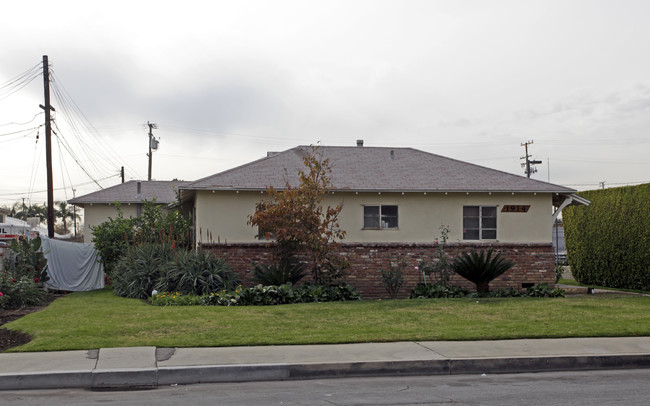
x=12 y=338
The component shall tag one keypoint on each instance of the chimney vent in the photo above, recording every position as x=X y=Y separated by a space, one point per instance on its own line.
x=359 y=143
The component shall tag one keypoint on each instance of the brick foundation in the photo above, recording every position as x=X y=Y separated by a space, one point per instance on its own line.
x=534 y=263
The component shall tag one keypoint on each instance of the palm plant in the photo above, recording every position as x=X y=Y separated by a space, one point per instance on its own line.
x=64 y=213
x=481 y=268
x=23 y=211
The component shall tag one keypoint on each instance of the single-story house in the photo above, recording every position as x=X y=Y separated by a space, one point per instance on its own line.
x=101 y=205
x=394 y=203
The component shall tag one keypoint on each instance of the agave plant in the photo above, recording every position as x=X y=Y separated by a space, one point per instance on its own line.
x=481 y=268
x=288 y=270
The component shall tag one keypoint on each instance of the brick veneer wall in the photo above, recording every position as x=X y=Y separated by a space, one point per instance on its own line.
x=534 y=263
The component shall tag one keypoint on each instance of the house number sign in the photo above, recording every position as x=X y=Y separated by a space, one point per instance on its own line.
x=517 y=208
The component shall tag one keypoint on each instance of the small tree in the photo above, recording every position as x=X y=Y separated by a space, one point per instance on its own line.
x=393 y=277
x=295 y=218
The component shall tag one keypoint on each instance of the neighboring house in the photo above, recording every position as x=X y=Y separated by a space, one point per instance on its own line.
x=101 y=205
x=559 y=245
x=394 y=203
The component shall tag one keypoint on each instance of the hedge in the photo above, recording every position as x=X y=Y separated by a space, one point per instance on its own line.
x=608 y=242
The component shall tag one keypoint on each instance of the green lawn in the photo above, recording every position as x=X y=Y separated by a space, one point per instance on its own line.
x=100 y=319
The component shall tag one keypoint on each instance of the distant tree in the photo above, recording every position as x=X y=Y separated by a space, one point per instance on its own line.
x=22 y=211
x=295 y=218
x=65 y=212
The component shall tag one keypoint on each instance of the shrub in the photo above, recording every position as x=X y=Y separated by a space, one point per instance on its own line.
x=198 y=272
x=481 y=268
x=439 y=266
x=437 y=290
x=175 y=299
x=21 y=291
x=113 y=237
x=544 y=290
x=506 y=292
x=288 y=270
x=26 y=259
x=260 y=295
x=141 y=270
x=21 y=284
x=393 y=277
x=608 y=242
x=159 y=266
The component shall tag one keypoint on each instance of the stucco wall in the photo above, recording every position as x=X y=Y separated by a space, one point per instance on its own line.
x=224 y=215
x=96 y=214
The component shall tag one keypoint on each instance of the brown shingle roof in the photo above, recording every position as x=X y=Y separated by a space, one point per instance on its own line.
x=162 y=191
x=375 y=169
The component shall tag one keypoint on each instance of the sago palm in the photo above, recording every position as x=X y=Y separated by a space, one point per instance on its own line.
x=481 y=268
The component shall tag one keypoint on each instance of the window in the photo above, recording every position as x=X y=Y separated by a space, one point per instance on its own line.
x=479 y=223
x=379 y=217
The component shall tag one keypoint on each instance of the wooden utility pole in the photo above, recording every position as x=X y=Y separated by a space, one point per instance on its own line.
x=48 y=147
x=122 y=173
x=151 y=127
x=528 y=162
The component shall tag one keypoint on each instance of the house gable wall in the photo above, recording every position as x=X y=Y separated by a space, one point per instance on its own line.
x=97 y=213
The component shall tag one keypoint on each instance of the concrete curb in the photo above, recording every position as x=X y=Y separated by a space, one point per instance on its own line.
x=160 y=376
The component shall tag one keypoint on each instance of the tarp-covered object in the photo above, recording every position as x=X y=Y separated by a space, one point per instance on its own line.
x=72 y=266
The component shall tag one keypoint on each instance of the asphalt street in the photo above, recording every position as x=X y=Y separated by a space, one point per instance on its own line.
x=620 y=387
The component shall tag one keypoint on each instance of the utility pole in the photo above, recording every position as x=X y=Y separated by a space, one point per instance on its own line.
x=74 y=212
x=122 y=173
x=48 y=147
x=527 y=165
x=151 y=141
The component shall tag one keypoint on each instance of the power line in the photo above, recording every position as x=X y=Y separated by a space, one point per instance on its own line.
x=16 y=84
x=25 y=123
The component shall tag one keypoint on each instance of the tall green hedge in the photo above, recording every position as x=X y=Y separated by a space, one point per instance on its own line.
x=608 y=242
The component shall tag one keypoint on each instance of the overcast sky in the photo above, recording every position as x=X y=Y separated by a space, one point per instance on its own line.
x=227 y=81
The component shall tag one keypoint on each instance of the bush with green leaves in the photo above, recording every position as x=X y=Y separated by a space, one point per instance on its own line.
x=440 y=290
x=288 y=270
x=25 y=258
x=155 y=225
x=112 y=238
x=198 y=272
x=437 y=290
x=25 y=271
x=261 y=295
x=161 y=267
x=544 y=290
x=608 y=242
x=142 y=269
x=481 y=268
x=20 y=291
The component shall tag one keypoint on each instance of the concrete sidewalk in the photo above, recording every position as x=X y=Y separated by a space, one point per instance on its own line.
x=150 y=366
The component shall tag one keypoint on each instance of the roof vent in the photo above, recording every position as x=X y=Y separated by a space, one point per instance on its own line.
x=359 y=143
x=271 y=153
